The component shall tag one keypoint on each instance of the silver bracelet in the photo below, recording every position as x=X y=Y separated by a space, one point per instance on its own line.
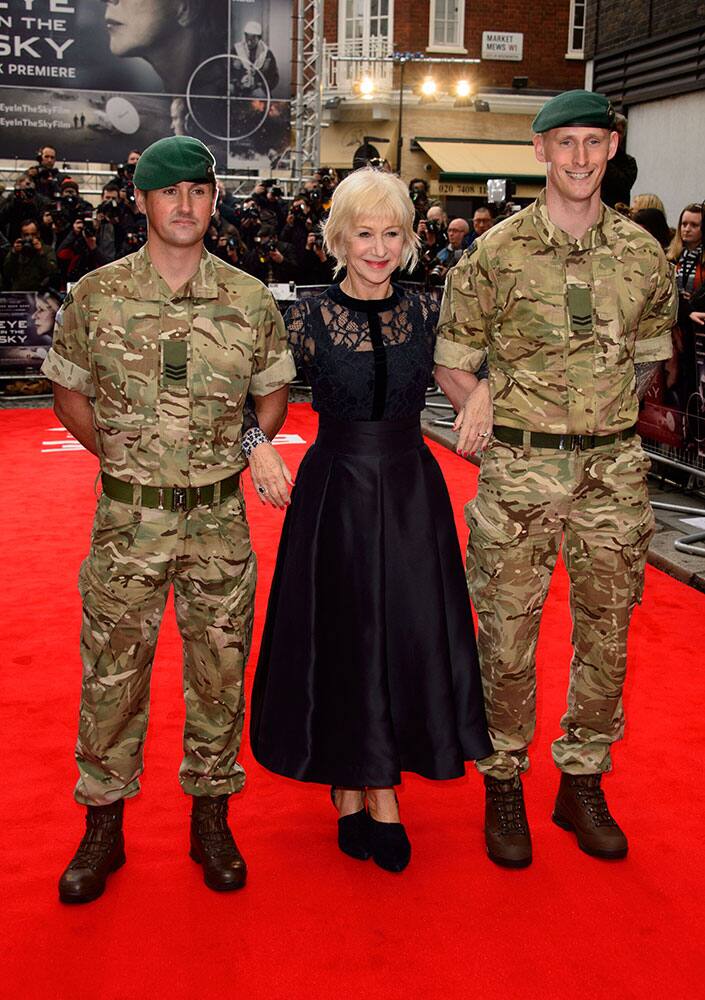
x=251 y=438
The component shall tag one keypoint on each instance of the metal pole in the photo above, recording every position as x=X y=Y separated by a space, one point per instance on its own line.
x=299 y=101
x=400 y=138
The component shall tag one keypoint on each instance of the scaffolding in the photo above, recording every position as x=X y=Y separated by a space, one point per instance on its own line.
x=307 y=103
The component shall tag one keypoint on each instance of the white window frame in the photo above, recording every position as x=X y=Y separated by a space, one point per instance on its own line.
x=454 y=47
x=576 y=7
x=366 y=24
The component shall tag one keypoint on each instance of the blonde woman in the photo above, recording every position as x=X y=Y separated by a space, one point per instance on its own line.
x=368 y=665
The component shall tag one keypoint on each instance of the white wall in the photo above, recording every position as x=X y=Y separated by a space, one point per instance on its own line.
x=668 y=140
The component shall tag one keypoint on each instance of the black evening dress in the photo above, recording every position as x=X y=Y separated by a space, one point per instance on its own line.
x=368 y=665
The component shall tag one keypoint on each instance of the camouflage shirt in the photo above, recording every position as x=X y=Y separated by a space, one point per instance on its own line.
x=169 y=371
x=563 y=321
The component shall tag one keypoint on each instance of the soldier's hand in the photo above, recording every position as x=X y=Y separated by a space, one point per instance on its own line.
x=270 y=475
x=698 y=318
x=474 y=421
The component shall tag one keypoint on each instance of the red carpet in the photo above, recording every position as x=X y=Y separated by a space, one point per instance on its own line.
x=312 y=923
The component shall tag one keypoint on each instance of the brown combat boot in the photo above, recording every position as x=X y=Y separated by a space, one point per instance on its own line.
x=581 y=808
x=101 y=851
x=506 y=828
x=213 y=846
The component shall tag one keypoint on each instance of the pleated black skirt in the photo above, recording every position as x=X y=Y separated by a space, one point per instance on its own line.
x=368 y=665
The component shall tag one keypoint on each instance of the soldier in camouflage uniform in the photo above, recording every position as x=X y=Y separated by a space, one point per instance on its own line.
x=573 y=306
x=152 y=359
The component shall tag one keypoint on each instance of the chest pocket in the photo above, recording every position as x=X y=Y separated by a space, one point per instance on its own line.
x=125 y=360
x=529 y=332
x=221 y=367
x=616 y=314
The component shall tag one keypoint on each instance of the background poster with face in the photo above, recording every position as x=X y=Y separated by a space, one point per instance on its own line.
x=26 y=328
x=94 y=77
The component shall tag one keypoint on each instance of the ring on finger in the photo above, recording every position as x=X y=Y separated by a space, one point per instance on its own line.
x=262 y=490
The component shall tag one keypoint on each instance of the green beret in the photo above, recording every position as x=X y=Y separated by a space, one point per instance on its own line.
x=174 y=159
x=575 y=107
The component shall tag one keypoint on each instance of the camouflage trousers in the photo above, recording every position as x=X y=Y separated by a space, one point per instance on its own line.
x=596 y=501
x=136 y=555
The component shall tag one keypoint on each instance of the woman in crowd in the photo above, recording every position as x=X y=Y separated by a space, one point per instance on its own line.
x=642 y=201
x=686 y=250
x=368 y=664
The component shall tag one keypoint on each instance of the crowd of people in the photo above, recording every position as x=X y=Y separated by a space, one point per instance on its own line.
x=50 y=236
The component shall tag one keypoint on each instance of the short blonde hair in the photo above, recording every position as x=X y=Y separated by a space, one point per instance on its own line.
x=648 y=201
x=373 y=194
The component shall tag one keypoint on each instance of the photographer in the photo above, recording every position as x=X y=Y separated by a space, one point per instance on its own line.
x=231 y=249
x=70 y=202
x=432 y=234
x=315 y=266
x=450 y=254
x=112 y=220
x=20 y=205
x=483 y=219
x=48 y=178
x=418 y=192
x=79 y=252
x=248 y=222
x=270 y=260
x=135 y=238
x=267 y=196
x=299 y=224
x=29 y=263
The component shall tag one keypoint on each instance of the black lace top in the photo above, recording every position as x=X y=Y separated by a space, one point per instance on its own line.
x=365 y=359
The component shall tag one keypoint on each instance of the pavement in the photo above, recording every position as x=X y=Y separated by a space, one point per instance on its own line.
x=688 y=567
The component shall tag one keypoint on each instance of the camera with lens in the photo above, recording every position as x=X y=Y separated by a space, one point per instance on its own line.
x=110 y=209
x=24 y=193
x=233 y=243
x=89 y=226
x=136 y=237
x=28 y=245
x=299 y=212
x=434 y=226
x=437 y=274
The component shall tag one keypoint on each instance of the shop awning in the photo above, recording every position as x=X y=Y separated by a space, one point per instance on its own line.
x=476 y=160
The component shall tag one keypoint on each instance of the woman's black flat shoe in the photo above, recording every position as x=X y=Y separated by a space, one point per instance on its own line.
x=354 y=833
x=389 y=845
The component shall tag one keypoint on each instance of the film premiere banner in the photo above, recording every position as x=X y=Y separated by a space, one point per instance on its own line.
x=96 y=78
x=26 y=329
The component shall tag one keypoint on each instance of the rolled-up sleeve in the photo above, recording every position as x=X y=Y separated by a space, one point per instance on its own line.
x=462 y=338
x=273 y=365
x=653 y=340
x=68 y=361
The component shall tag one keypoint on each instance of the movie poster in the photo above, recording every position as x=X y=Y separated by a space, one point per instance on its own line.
x=96 y=78
x=26 y=328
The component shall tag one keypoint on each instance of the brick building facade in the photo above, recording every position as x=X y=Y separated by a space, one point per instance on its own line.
x=530 y=55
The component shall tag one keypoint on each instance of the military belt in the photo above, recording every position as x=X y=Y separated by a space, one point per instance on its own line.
x=561 y=442
x=176 y=498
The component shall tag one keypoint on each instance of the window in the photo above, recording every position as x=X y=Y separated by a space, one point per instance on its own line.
x=576 y=28
x=446 y=25
x=363 y=20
